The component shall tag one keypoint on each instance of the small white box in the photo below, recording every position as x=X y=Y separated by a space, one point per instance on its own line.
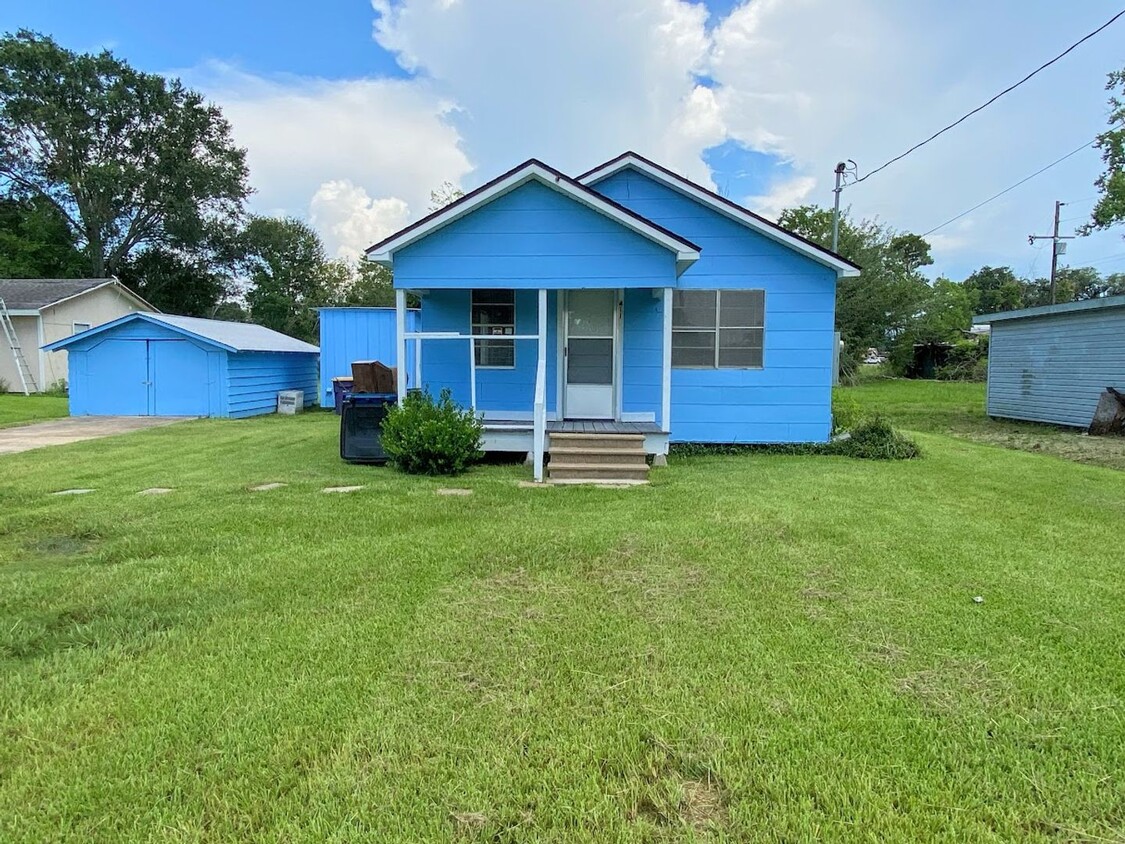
x=290 y=401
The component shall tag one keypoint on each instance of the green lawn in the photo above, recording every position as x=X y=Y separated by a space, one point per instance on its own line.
x=957 y=408
x=759 y=647
x=19 y=409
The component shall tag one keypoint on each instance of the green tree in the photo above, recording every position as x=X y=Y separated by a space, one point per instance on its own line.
x=128 y=159
x=444 y=194
x=175 y=283
x=1110 y=209
x=944 y=315
x=289 y=275
x=995 y=289
x=35 y=241
x=370 y=285
x=879 y=304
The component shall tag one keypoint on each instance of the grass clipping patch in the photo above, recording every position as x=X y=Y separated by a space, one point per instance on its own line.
x=875 y=439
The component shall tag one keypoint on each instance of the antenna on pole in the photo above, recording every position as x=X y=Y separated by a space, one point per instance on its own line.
x=844 y=171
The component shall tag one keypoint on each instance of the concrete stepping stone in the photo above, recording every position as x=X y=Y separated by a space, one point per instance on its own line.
x=445 y=491
x=267 y=487
x=533 y=485
x=341 y=488
x=156 y=490
x=72 y=492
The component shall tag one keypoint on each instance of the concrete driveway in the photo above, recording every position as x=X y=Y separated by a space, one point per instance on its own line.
x=75 y=429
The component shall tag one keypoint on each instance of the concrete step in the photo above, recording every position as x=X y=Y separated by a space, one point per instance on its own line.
x=616 y=456
x=610 y=482
x=596 y=472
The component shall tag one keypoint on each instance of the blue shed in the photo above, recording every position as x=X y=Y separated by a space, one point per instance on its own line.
x=148 y=364
x=1052 y=363
x=351 y=334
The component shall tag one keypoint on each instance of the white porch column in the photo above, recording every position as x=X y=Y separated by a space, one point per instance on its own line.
x=400 y=343
x=542 y=325
x=666 y=380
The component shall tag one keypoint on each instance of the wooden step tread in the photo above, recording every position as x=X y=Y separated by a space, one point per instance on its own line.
x=596 y=435
x=595 y=450
x=598 y=481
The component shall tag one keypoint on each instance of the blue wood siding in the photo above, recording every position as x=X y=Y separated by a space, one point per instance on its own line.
x=500 y=392
x=351 y=334
x=1054 y=369
x=790 y=398
x=255 y=378
x=529 y=238
x=642 y=353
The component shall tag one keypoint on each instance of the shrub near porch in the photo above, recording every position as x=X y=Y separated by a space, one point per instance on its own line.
x=753 y=647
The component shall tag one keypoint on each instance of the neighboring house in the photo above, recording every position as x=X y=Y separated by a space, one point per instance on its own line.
x=629 y=300
x=161 y=365
x=1052 y=363
x=46 y=309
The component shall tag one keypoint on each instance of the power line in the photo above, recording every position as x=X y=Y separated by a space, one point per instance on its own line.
x=1073 y=152
x=985 y=105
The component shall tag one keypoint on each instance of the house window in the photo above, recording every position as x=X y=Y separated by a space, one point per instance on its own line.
x=79 y=327
x=718 y=329
x=494 y=315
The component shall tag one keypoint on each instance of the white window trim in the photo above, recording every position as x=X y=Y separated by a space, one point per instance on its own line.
x=719 y=327
x=74 y=329
x=476 y=336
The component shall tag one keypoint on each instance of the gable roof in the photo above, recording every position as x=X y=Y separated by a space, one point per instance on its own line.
x=724 y=206
x=35 y=294
x=230 y=336
x=534 y=170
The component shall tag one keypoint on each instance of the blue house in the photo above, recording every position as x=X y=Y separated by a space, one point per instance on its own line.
x=629 y=301
x=148 y=364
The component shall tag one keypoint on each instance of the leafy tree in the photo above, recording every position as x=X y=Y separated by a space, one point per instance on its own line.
x=35 y=241
x=369 y=286
x=994 y=289
x=444 y=194
x=174 y=282
x=289 y=275
x=943 y=316
x=1110 y=209
x=128 y=159
x=878 y=305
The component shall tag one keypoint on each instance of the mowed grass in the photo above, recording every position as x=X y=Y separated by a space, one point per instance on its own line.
x=758 y=647
x=958 y=408
x=20 y=409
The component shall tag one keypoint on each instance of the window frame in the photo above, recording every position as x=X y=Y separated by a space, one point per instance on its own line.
x=74 y=329
x=716 y=330
x=478 y=345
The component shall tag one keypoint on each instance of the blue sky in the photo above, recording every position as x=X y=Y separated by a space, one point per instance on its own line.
x=352 y=111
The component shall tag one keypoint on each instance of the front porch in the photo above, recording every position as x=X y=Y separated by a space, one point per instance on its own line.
x=532 y=363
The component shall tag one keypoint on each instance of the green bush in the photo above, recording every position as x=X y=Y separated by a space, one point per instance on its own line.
x=422 y=436
x=58 y=388
x=875 y=439
x=967 y=361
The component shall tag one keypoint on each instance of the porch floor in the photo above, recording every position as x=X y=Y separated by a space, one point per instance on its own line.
x=576 y=426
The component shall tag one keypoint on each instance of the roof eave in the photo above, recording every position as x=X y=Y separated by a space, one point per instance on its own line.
x=826 y=257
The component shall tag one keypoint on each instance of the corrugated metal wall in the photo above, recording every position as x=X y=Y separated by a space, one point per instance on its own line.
x=1054 y=368
x=351 y=334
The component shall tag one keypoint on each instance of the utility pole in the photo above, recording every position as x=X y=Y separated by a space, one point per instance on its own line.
x=842 y=172
x=1057 y=248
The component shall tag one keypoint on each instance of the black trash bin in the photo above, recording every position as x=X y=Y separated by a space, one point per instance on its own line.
x=361 y=427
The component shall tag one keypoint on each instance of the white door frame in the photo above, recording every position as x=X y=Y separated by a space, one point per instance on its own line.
x=615 y=368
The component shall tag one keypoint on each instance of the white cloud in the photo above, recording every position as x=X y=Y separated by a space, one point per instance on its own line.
x=350 y=220
x=575 y=82
x=305 y=138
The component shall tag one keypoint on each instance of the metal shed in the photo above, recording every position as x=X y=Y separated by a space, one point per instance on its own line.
x=351 y=334
x=1052 y=363
x=146 y=364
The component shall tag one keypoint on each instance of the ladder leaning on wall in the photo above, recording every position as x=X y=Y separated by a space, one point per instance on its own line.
x=26 y=377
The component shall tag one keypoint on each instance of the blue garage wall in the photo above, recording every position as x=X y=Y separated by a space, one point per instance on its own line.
x=351 y=334
x=529 y=238
x=508 y=393
x=790 y=398
x=255 y=378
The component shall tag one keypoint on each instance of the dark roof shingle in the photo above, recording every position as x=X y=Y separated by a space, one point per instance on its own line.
x=33 y=294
